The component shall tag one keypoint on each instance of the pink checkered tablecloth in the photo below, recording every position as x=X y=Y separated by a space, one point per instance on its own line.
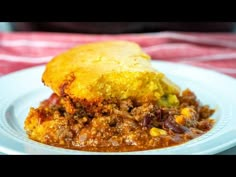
x=215 y=51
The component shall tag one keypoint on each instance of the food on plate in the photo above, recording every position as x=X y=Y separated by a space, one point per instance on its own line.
x=108 y=98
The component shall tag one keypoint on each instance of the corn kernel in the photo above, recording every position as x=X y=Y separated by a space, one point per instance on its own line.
x=157 y=132
x=180 y=119
x=162 y=132
x=173 y=100
x=187 y=112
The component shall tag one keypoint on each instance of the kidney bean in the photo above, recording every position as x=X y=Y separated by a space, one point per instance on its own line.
x=170 y=123
x=158 y=115
x=146 y=121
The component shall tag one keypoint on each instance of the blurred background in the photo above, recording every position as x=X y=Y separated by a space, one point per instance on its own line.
x=118 y=27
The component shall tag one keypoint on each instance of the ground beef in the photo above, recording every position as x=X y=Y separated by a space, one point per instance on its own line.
x=112 y=125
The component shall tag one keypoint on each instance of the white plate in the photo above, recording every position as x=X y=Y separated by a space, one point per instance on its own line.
x=21 y=90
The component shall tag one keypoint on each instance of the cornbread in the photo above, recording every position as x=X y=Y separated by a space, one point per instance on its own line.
x=104 y=70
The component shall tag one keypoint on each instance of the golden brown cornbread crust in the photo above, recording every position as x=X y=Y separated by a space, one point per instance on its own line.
x=104 y=70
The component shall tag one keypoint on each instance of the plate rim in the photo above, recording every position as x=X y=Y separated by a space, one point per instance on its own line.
x=40 y=67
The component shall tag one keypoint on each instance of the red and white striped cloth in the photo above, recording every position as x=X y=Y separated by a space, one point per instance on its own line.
x=216 y=51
